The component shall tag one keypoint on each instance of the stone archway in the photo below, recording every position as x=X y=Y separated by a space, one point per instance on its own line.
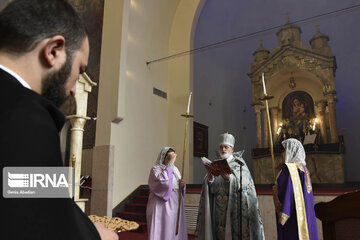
x=181 y=78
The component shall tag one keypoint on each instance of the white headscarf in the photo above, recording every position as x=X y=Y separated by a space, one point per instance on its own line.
x=295 y=152
x=160 y=161
x=162 y=155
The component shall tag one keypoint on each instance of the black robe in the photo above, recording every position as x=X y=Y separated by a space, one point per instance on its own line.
x=29 y=136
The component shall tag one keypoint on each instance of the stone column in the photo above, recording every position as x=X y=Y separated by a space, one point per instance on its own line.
x=321 y=106
x=78 y=120
x=266 y=127
x=258 y=125
x=331 y=100
x=274 y=122
x=77 y=132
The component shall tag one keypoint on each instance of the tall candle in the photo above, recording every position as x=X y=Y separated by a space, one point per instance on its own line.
x=188 y=106
x=279 y=129
x=314 y=124
x=263 y=80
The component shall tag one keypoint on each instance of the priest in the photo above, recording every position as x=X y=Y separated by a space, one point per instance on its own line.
x=228 y=206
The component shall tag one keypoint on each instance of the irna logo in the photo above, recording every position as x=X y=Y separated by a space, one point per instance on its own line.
x=16 y=180
x=38 y=182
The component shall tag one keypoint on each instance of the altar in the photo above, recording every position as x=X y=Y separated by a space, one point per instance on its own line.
x=302 y=105
x=324 y=161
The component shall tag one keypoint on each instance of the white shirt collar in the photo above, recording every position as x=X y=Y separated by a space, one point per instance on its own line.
x=15 y=75
x=229 y=159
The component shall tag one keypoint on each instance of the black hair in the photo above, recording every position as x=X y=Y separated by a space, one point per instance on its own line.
x=282 y=148
x=24 y=23
x=169 y=151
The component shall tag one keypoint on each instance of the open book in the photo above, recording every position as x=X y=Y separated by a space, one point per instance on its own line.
x=217 y=166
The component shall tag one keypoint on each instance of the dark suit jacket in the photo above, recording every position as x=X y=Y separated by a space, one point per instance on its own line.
x=29 y=126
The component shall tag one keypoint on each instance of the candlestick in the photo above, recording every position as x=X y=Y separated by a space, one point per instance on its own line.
x=187 y=116
x=188 y=106
x=266 y=98
x=263 y=80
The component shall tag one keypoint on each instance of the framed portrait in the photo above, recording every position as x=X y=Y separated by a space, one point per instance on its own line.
x=298 y=104
x=200 y=140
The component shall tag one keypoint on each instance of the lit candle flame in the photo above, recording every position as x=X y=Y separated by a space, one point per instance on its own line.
x=314 y=125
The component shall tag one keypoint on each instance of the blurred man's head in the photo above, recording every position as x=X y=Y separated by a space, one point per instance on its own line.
x=60 y=84
x=53 y=30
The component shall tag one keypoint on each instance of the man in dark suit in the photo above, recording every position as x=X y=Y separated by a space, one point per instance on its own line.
x=43 y=49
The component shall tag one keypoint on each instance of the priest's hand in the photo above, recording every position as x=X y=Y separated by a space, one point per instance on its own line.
x=105 y=234
x=210 y=177
x=225 y=175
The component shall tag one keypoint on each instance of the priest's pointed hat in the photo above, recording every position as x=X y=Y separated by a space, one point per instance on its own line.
x=227 y=139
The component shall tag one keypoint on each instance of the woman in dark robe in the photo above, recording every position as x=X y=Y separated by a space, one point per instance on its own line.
x=293 y=196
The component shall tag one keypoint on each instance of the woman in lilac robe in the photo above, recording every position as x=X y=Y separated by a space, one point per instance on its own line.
x=161 y=212
x=293 y=196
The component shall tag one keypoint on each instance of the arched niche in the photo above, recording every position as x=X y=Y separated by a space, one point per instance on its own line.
x=293 y=66
x=291 y=70
x=278 y=86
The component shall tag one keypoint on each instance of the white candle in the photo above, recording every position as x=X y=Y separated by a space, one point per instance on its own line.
x=263 y=80
x=314 y=125
x=279 y=129
x=188 y=106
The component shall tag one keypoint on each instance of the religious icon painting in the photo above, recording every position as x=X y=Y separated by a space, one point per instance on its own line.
x=200 y=140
